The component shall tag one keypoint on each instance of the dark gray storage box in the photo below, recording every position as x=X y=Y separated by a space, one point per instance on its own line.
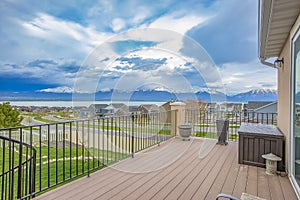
x=258 y=139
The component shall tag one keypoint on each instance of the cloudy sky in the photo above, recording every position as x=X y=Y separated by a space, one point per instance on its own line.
x=88 y=46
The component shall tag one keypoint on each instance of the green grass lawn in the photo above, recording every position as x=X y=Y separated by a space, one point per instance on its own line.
x=54 y=166
x=41 y=119
x=233 y=136
x=164 y=132
x=206 y=134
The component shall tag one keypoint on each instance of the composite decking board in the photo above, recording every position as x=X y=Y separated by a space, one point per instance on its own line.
x=121 y=180
x=275 y=188
x=118 y=189
x=126 y=191
x=263 y=189
x=251 y=185
x=230 y=181
x=204 y=177
x=97 y=191
x=209 y=180
x=287 y=189
x=241 y=181
x=131 y=188
x=150 y=183
x=200 y=176
x=96 y=186
x=166 y=186
x=216 y=187
x=161 y=190
x=181 y=187
x=106 y=174
x=167 y=177
x=156 y=159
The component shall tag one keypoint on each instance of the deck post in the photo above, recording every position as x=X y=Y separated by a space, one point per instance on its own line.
x=179 y=116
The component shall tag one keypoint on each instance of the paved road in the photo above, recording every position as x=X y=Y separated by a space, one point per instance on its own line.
x=33 y=123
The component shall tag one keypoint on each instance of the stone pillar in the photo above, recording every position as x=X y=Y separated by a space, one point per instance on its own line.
x=179 y=109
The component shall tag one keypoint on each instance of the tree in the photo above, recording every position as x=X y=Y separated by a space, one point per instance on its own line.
x=29 y=120
x=9 y=116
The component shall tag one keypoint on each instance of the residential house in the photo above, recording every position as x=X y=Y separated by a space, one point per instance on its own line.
x=166 y=106
x=234 y=107
x=133 y=109
x=116 y=109
x=195 y=104
x=81 y=112
x=251 y=106
x=97 y=110
x=268 y=108
x=261 y=112
x=279 y=39
x=148 y=108
x=211 y=107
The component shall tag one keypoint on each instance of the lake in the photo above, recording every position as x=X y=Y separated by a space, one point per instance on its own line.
x=77 y=103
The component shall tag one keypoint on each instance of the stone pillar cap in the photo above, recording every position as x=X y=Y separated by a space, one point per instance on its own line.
x=177 y=103
x=271 y=157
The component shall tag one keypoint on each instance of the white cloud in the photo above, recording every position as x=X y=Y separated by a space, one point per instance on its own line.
x=178 y=24
x=240 y=77
x=64 y=33
x=118 y=24
x=141 y=14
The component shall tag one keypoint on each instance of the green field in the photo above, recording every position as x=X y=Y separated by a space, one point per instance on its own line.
x=59 y=166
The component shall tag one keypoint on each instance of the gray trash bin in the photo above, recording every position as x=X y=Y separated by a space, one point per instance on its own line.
x=222 y=130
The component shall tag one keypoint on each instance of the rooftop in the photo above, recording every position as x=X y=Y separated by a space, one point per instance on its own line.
x=276 y=20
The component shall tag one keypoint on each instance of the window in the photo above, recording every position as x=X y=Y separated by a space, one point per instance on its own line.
x=295 y=123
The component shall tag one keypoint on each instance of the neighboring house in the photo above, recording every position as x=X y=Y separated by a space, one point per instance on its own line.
x=261 y=106
x=279 y=38
x=234 y=107
x=133 y=109
x=297 y=110
x=81 y=112
x=97 y=109
x=166 y=106
x=195 y=104
x=211 y=107
x=116 y=109
x=224 y=107
x=148 y=108
x=261 y=112
x=269 y=108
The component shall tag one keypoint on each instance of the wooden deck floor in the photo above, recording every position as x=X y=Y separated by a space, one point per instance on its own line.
x=196 y=169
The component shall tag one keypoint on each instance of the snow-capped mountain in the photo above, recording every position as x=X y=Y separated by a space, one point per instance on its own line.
x=62 y=89
x=255 y=95
x=263 y=91
x=142 y=94
x=153 y=87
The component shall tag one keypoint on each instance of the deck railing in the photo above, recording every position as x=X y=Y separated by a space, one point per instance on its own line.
x=204 y=121
x=18 y=161
x=39 y=157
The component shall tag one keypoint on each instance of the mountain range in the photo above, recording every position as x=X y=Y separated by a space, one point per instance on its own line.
x=158 y=94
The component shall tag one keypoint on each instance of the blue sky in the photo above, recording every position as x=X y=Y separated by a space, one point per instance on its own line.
x=47 y=45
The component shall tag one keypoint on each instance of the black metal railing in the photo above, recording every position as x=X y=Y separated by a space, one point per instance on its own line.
x=51 y=154
x=204 y=121
x=39 y=157
x=18 y=161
